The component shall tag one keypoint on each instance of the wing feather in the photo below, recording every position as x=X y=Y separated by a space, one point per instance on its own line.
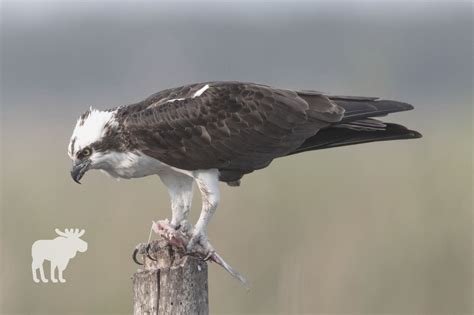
x=232 y=126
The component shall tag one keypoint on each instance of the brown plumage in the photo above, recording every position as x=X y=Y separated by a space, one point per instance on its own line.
x=241 y=127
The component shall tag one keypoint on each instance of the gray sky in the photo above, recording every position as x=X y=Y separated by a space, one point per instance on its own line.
x=106 y=53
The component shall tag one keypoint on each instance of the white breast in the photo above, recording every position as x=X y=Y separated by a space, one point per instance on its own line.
x=129 y=164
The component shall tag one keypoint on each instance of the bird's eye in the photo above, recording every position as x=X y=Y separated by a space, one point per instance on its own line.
x=86 y=152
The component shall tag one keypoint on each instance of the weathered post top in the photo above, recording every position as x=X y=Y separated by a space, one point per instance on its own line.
x=173 y=283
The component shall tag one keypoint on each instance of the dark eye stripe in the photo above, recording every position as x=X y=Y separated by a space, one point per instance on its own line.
x=73 y=142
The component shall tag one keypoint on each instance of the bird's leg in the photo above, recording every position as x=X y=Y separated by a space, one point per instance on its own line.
x=208 y=184
x=180 y=188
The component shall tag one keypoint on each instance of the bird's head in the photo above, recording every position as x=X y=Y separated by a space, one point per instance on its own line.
x=91 y=141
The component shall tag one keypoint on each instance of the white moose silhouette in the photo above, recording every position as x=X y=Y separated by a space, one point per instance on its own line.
x=58 y=251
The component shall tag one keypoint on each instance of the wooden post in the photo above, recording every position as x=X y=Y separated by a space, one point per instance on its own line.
x=173 y=284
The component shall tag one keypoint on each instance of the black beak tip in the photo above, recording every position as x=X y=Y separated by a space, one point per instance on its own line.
x=78 y=170
x=75 y=177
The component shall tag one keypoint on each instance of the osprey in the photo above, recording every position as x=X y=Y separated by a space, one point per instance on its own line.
x=219 y=131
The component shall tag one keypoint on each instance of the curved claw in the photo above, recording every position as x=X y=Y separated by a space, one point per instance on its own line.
x=134 y=257
x=209 y=255
x=147 y=249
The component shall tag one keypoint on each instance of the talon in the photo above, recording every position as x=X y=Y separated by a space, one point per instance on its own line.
x=209 y=255
x=147 y=249
x=134 y=257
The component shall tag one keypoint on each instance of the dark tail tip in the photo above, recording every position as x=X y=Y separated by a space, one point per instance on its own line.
x=414 y=134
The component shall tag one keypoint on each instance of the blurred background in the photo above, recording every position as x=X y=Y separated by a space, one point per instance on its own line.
x=372 y=229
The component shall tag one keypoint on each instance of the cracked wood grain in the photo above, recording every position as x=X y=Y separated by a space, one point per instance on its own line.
x=173 y=284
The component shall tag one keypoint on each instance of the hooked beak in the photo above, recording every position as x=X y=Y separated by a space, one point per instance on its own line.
x=78 y=170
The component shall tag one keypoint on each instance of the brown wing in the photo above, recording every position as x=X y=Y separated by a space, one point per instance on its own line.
x=232 y=126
